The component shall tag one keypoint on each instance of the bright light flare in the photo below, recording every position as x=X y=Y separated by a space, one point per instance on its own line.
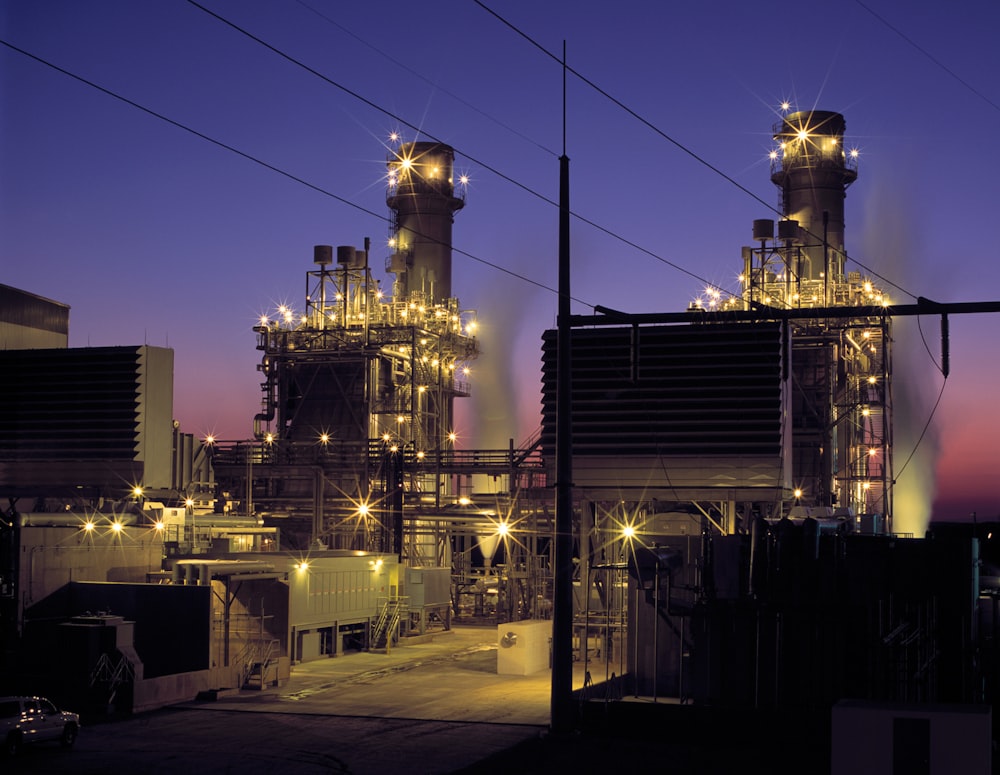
x=504 y=526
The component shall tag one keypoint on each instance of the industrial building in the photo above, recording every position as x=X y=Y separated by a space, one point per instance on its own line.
x=732 y=480
x=355 y=444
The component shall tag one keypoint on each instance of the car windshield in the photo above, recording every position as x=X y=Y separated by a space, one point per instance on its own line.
x=9 y=708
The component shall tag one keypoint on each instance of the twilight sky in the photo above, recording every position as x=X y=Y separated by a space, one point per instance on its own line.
x=155 y=235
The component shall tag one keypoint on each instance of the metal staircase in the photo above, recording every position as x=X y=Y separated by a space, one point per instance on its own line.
x=112 y=674
x=254 y=660
x=385 y=630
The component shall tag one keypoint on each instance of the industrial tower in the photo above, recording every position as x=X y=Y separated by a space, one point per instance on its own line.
x=841 y=365
x=358 y=390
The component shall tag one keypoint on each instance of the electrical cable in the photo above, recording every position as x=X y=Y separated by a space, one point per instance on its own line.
x=488 y=167
x=676 y=143
x=931 y=57
x=728 y=178
x=992 y=104
x=362 y=98
x=473 y=159
x=933 y=412
x=266 y=165
x=927 y=347
x=927 y=425
x=923 y=339
x=642 y=120
x=425 y=79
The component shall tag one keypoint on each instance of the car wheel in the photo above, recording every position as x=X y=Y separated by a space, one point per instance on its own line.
x=68 y=736
x=12 y=745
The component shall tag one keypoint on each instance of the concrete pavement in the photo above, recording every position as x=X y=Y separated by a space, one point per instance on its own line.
x=435 y=706
x=448 y=676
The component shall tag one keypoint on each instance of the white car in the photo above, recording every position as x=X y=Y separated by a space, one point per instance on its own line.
x=34 y=720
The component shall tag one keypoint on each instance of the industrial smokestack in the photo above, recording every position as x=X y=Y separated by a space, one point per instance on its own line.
x=423 y=197
x=813 y=172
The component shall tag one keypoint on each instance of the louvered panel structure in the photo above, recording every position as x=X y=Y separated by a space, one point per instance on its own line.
x=94 y=418
x=697 y=407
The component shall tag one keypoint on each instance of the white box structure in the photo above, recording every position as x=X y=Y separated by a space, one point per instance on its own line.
x=523 y=647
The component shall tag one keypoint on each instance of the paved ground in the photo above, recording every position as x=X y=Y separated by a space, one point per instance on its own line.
x=450 y=678
x=436 y=707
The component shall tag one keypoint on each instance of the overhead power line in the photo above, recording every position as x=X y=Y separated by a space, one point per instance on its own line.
x=931 y=57
x=680 y=146
x=255 y=160
x=473 y=159
x=425 y=79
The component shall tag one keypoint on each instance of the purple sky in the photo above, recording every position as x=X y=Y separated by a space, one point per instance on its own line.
x=155 y=235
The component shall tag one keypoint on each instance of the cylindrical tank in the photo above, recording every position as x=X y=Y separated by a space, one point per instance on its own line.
x=813 y=173
x=763 y=229
x=788 y=229
x=345 y=255
x=422 y=195
x=323 y=254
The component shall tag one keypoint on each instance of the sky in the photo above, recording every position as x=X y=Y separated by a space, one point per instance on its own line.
x=179 y=217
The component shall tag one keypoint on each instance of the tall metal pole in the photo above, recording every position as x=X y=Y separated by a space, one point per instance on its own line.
x=562 y=608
